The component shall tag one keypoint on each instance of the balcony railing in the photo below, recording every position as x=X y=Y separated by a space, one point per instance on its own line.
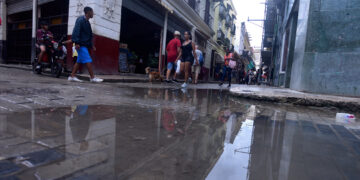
x=233 y=29
x=220 y=37
x=227 y=42
x=222 y=11
x=228 y=20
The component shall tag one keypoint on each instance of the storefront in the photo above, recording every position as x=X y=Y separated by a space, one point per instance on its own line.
x=19 y=25
x=142 y=26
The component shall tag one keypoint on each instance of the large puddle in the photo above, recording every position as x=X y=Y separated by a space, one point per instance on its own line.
x=173 y=134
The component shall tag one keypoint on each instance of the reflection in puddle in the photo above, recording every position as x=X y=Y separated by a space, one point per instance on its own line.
x=170 y=134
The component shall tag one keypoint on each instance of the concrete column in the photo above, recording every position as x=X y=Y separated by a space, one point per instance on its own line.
x=193 y=30
x=165 y=33
x=163 y=42
x=3 y=12
x=34 y=29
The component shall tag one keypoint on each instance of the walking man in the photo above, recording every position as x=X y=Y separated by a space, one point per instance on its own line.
x=173 y=50
x=82 y=36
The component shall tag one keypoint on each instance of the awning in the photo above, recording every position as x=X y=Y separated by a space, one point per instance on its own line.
x=165 y=5
x=16 y=6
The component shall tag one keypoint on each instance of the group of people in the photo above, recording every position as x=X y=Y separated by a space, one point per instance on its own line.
x=186 y=52
x=189 y=56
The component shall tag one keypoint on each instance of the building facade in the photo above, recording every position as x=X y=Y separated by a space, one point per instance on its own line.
x=118 y=27
x=140 y=28
x=314 y=46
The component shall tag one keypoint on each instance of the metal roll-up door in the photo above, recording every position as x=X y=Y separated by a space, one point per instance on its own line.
x=16 y=6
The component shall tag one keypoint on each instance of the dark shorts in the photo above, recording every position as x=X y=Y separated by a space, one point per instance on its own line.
x=188 y=59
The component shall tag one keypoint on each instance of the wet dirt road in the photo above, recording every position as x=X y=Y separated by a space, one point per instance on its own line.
x=175 y=134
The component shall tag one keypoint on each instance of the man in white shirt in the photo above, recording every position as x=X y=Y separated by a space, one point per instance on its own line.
x=196 y=67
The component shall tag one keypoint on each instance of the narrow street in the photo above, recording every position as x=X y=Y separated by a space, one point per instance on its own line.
x=179 y=90
x=53 y=129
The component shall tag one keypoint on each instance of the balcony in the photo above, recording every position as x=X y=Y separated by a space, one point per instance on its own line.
x=228 y=20
x=227 y=42
x=222 y=11
x=233 y=29
x=220 y=37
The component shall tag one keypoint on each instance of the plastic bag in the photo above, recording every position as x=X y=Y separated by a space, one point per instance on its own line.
x=232 y=64
x=178 y=67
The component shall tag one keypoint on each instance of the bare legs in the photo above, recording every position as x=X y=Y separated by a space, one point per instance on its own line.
x=185 y=67
x=88 y=65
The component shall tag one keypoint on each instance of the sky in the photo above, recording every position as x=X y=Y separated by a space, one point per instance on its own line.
x=253 y=9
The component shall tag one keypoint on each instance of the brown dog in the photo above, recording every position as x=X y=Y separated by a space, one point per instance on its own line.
x=153 y=75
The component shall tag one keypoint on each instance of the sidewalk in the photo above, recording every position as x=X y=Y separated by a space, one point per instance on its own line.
x=262 y=93
x=281 y=95
x=127 y=78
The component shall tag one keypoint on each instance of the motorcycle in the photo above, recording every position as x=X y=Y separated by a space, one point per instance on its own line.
x=54 y=57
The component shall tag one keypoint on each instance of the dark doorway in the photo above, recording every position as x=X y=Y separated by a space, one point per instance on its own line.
x=20 y=28
x=142 y=38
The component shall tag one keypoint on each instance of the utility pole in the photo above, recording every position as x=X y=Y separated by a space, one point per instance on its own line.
x=34 y=30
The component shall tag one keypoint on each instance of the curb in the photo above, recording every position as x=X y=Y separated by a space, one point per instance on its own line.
x=349 y=106
x=66 y=74
x=16 y=67
x=115 y=80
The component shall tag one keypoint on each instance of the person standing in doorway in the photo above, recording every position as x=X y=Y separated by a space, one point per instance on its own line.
x=188 y=55
x=173 y=50
x=82 y=36
x=227 y=70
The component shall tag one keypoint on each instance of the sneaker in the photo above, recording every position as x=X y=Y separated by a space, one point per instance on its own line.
x=184 y=85
x=221 y=84
x=74 y=79
x=96 y=80
x=190 y=80
x=174 y=80
x=167 y=81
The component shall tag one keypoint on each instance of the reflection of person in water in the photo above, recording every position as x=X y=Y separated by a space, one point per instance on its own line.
x=224 y=115
x=168 y=118
x=80 y=124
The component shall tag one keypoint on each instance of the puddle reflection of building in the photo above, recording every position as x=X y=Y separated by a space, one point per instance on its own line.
x=267 y=149
x=235 y=155
x=186 y=155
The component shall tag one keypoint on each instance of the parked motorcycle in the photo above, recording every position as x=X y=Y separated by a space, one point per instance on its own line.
x=54 y=57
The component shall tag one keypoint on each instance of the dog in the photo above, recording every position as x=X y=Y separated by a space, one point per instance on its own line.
x=153 y=75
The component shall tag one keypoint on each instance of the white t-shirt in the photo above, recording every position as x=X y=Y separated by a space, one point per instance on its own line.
x=198 y=53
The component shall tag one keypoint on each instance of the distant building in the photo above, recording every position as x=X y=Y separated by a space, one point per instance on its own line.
x=225 y=29
x=313 y=45
x=257 y=57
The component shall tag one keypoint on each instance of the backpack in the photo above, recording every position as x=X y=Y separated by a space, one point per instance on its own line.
x=201 y=60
